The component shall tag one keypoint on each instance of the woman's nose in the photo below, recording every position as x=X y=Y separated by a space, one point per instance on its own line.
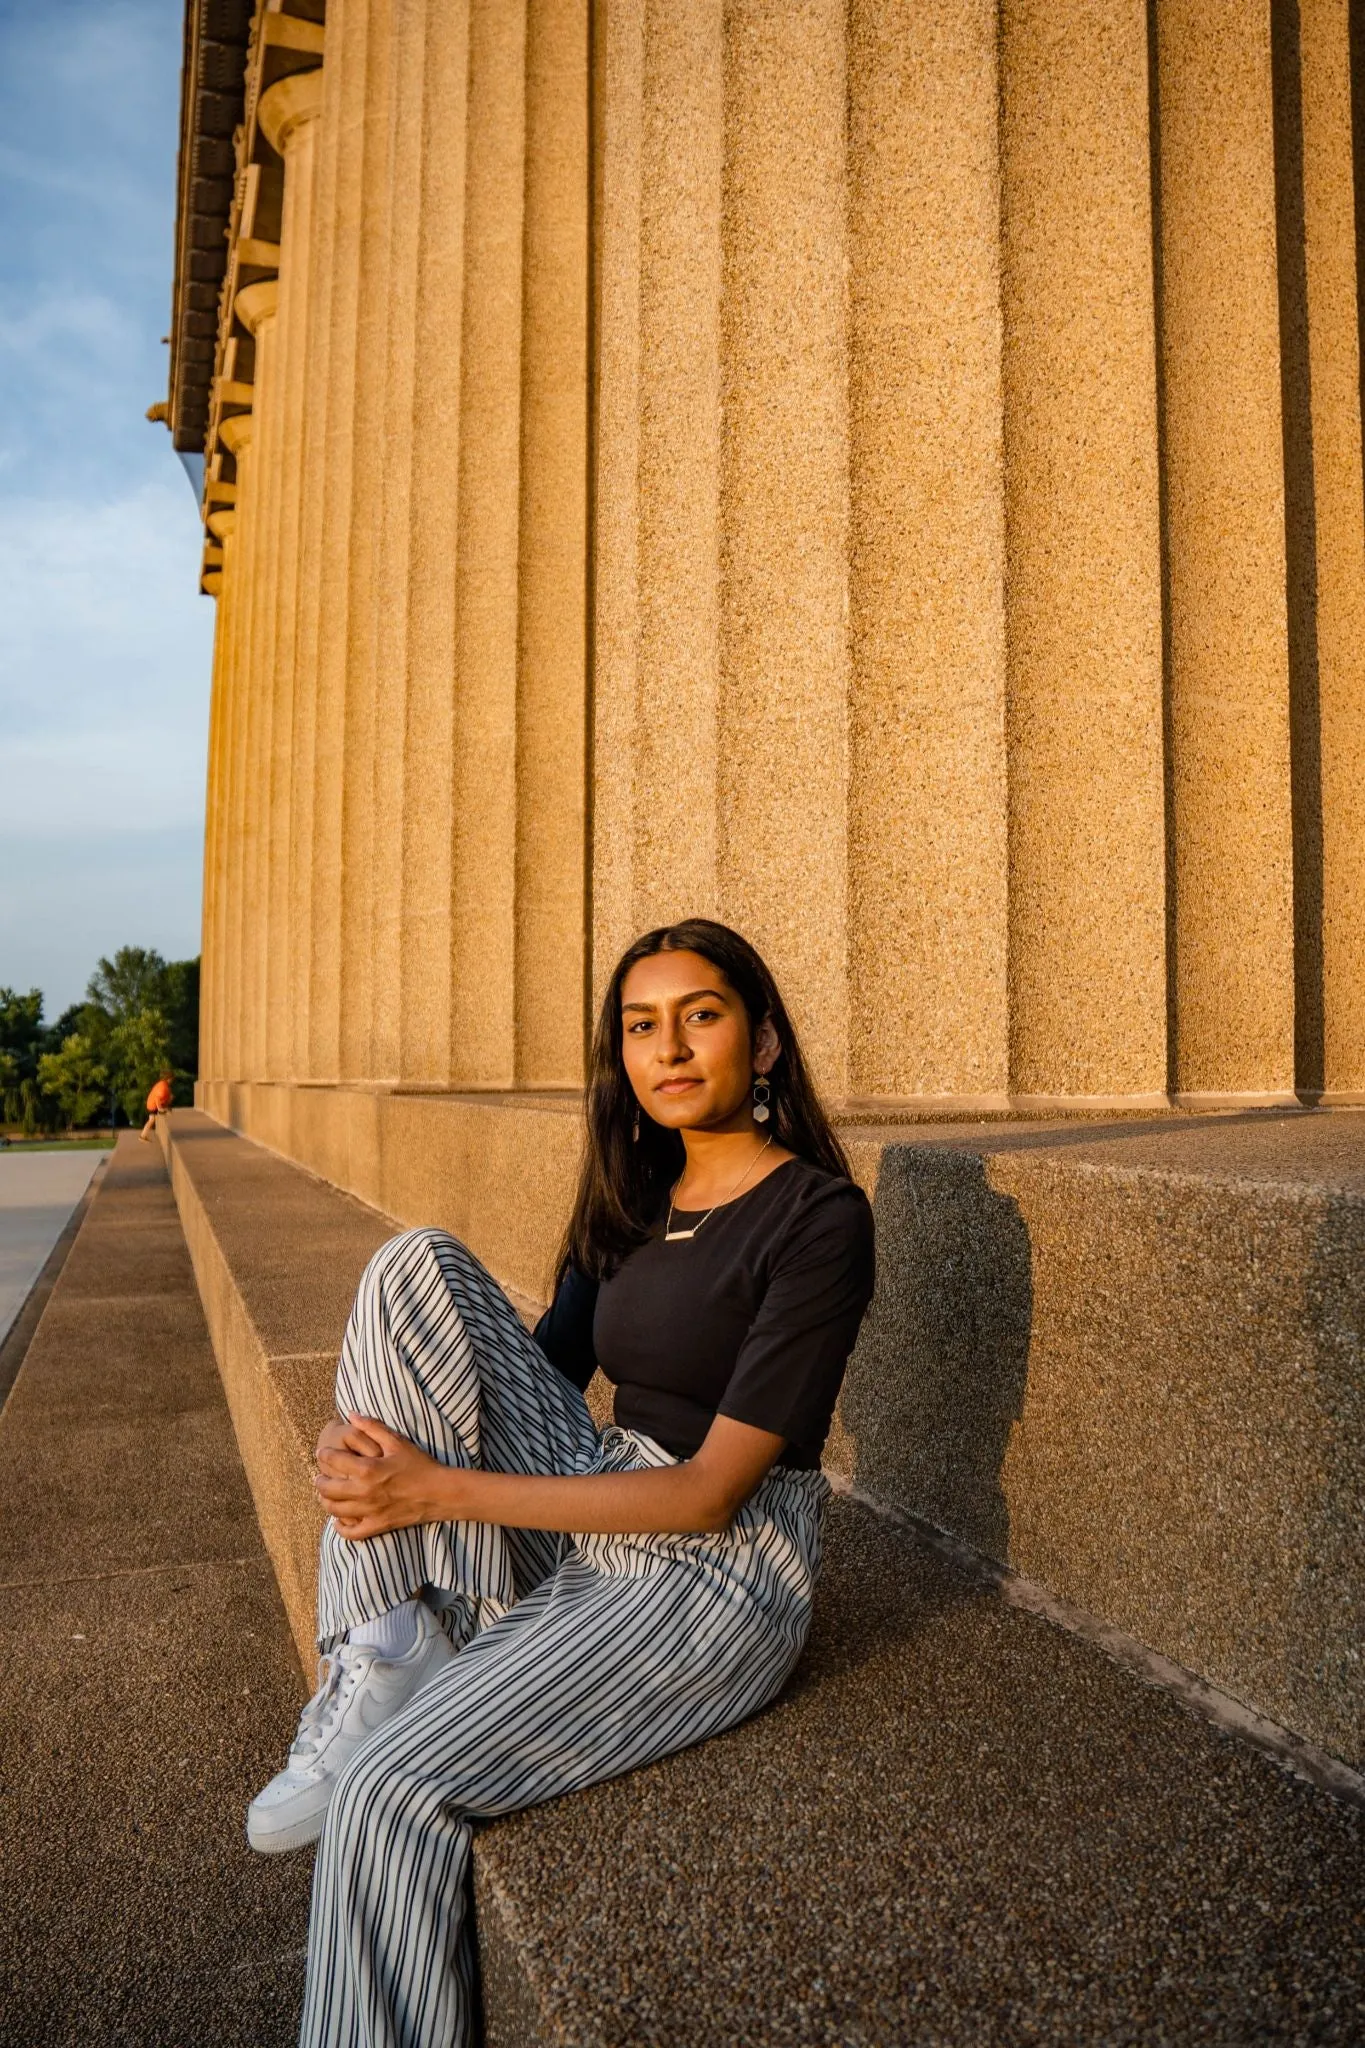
x=673 y=1045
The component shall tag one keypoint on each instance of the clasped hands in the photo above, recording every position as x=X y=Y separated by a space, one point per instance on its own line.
x=370 y=1481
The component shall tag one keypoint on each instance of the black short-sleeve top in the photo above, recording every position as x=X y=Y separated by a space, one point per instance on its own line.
x=753 y=1318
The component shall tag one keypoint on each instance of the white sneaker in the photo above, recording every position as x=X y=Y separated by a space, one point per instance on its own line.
x=361 y=1691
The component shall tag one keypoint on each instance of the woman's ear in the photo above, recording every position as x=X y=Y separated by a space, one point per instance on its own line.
x=767 y=1046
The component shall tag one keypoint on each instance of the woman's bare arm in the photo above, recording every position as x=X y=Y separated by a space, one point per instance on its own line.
x=371 y=1481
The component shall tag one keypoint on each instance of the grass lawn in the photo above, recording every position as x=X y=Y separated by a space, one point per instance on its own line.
x=103 y=1142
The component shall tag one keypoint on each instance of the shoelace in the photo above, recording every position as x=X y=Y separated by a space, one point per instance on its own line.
x=324 y=1710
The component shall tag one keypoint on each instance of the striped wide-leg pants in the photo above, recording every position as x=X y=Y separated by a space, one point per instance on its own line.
x=582 y=1656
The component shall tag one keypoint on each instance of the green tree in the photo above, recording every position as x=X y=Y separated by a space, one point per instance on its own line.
x=140 y=1015
x=73 y=1018
x=10 y=1077
x=37 y=1112
x=21 y=1028
x=74 y=1079
x=136 y=981
x=133 y=980
x=139 y=1047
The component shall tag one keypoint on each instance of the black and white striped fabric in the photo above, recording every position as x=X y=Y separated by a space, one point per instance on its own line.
x=583 y=1656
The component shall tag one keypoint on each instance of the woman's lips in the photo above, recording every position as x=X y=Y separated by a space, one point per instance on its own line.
x=677 y=1087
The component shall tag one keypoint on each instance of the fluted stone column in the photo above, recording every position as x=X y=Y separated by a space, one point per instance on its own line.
x=782 y=717
x=1231 y=869
x=257 y=308
x=210 y=957
x=928 y=910
x=658 y=472
x=229 y=616
x=312 y=515
x=674 y=740
x=397 y=516
x=1320 y=242
x=370 y=429
x=484 y=806
x=288 y=115
x=551 y=877
x=236 y=435
x=210 y=950
x=231 y=604
x=423 y=970
x=351 y=31
x=618 y=142
x=1083 y=584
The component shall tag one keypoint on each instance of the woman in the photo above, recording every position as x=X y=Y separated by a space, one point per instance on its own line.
x=513 y=1604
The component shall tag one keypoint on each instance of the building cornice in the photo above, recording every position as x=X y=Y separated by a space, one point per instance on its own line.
x=245 y=85
x=212 y=91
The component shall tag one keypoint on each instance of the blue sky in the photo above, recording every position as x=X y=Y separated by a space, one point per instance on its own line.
x=105 y=644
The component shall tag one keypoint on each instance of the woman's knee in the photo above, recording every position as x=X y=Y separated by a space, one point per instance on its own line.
x=411 y=1251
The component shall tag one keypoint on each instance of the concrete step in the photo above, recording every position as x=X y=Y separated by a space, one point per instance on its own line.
x=960 y=1824
x=1130 y=1363
x=147 y=1666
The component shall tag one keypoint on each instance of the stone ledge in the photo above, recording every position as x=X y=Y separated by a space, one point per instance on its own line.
x=1125 y=1359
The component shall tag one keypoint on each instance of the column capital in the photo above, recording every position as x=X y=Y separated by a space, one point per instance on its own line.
x=256 y=303
x=288 y=106
x=235 y=432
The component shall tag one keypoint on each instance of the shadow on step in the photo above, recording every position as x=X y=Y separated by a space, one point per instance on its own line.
x=937 y=1380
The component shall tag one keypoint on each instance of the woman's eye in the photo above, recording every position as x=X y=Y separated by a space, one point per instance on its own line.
x=702 y=1016
x=640 y=1024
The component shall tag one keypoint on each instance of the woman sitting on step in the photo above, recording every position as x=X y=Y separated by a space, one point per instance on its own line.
x=514 y=1604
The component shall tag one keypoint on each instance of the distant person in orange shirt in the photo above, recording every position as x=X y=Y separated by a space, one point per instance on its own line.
x=158 y=1100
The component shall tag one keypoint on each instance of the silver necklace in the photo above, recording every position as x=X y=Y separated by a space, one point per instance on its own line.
x=672 y=1236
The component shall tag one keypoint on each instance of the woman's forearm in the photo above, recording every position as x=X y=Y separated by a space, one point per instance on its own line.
x=662 y=1500
x=371 y=1480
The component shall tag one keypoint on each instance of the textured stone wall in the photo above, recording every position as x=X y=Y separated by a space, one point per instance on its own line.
x=883 y=472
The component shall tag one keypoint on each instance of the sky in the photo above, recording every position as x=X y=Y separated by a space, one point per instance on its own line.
x=105 y=642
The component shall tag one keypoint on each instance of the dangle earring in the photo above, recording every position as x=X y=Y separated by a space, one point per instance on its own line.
x=762 y=1094
x=635 y=1134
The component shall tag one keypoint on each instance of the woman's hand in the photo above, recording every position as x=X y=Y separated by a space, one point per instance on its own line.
x=370 y=1481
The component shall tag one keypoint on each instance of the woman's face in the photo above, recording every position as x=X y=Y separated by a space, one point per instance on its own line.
x=685 y=1039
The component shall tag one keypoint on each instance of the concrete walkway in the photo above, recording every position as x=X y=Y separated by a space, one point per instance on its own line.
x=146 y=1668
x=38 y=1191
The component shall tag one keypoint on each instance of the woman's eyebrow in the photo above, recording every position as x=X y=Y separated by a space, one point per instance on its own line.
x=690 y=997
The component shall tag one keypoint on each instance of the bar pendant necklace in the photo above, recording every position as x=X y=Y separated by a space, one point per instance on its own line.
x=672 y=1236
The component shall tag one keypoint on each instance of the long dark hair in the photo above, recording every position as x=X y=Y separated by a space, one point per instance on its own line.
x=623 y=1181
